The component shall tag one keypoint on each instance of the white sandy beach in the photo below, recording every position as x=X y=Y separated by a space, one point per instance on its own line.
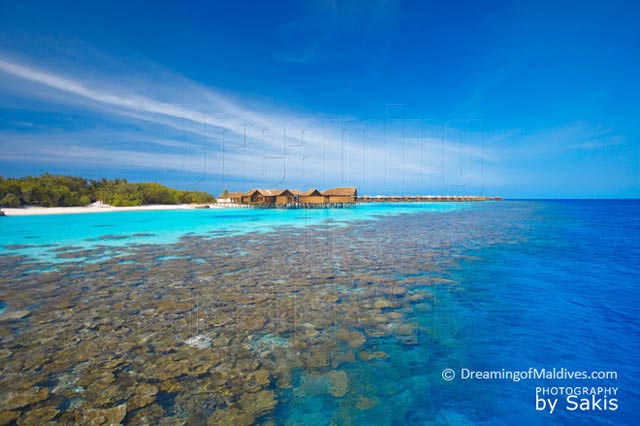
x=32 y=211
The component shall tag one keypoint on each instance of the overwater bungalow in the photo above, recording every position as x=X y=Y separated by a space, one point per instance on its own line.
x=286 y=198
x=269 y=198
x=293 y=198
x=313 y=198
x=235 y=197
x=341 y=196
x=260 y=197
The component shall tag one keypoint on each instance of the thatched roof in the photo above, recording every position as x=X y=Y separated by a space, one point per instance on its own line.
x=264 y=192
x=268 y=192
x=235 y=194
x=341 y=192
x=311 y=192
x=336 y=192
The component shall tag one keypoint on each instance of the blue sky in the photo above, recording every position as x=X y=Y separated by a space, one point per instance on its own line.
x=520 y=99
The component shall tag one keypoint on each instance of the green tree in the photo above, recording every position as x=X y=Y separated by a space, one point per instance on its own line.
x=53 y=190
x=10 y=200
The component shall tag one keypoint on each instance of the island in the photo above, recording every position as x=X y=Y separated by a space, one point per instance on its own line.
x=50 y=190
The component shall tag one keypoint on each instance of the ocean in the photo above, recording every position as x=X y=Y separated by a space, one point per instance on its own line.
x=320 y=317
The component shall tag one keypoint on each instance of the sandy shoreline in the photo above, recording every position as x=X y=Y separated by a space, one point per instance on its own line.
x=33 y=211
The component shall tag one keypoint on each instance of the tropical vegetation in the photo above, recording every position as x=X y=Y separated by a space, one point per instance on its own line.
x=50 y=190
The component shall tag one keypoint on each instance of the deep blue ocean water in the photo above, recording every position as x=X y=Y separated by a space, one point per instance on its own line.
x=559 y=289
x=568 y=296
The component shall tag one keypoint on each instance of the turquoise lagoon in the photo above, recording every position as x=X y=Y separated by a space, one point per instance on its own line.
x=39 y=236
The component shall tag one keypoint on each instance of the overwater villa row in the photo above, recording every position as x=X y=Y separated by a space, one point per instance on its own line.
x=333 y=197
x=425 y=198
x=293 y=198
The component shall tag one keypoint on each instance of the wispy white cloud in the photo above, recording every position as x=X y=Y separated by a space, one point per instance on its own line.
x=217 y=132
x=119 y=100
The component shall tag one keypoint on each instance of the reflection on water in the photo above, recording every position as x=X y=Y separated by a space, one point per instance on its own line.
x=316 y=325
